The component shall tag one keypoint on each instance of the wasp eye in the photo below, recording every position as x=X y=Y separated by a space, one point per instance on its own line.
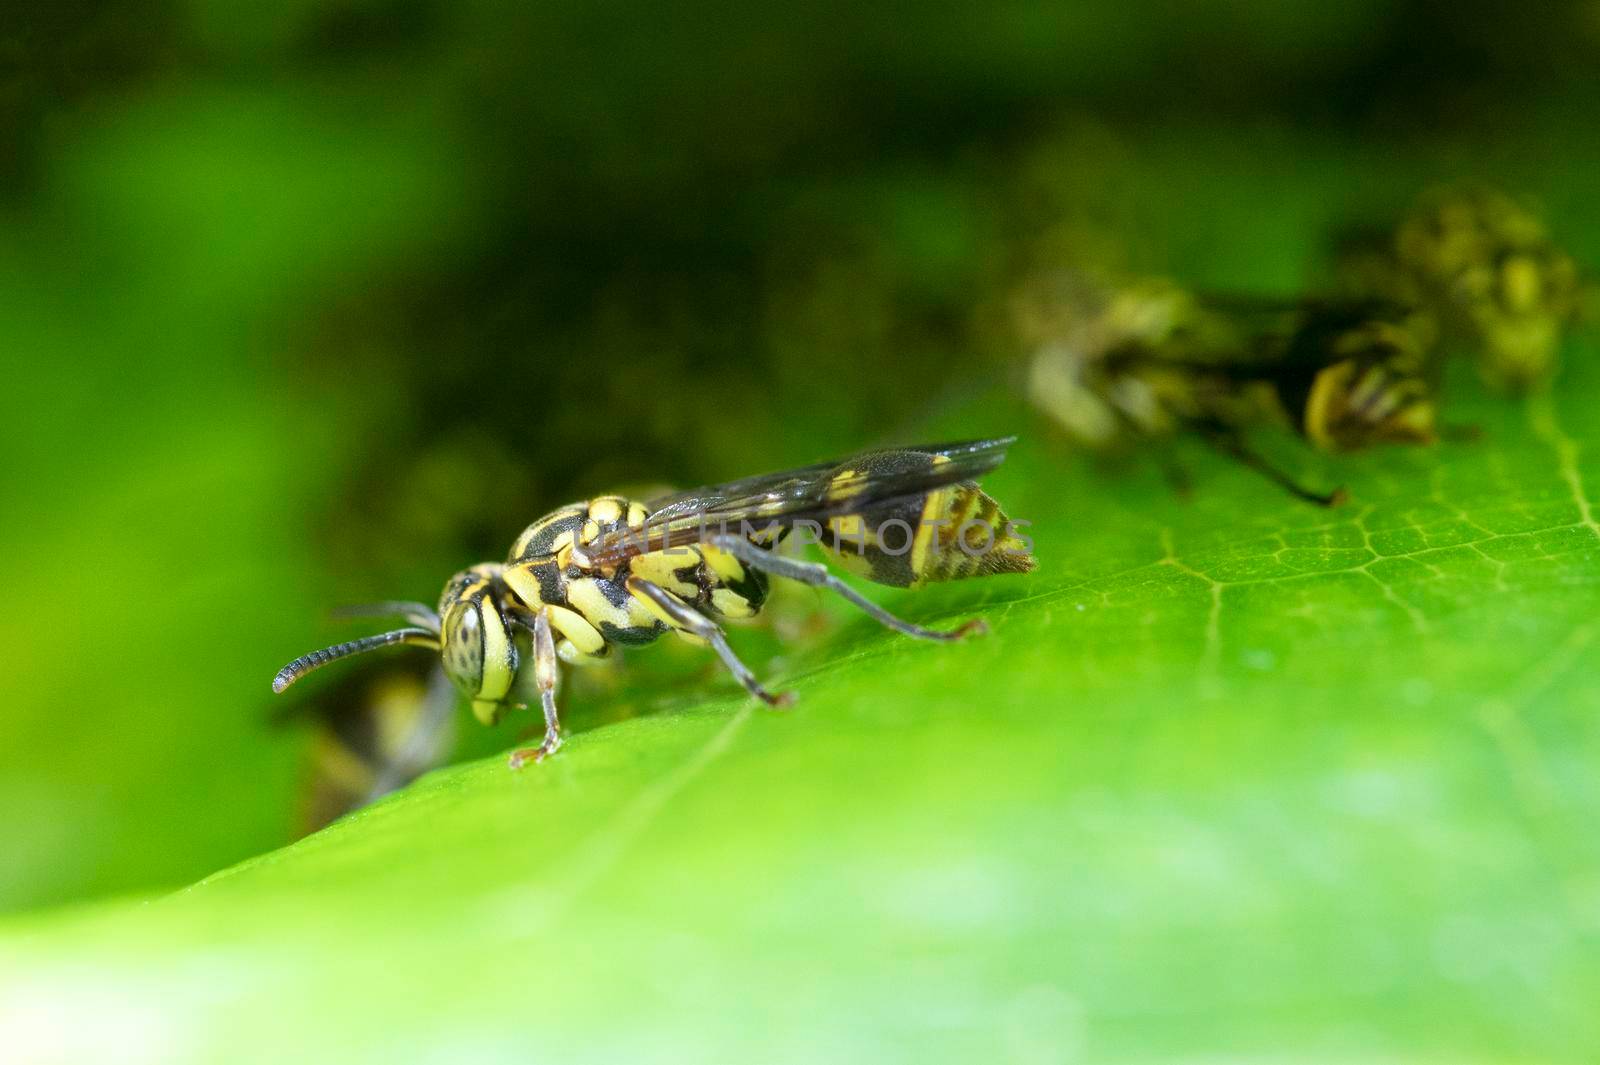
x=463 y=647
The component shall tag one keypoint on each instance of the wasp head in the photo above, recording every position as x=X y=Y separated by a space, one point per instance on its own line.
x=477 y=644
x=472 y=631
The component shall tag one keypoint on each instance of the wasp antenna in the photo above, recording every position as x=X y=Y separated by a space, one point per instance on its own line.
x=317 y=659
x=419 y=614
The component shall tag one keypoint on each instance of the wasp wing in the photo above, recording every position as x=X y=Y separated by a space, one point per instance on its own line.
x=818 y=491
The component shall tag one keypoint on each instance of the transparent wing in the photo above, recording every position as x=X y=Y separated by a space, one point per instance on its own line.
x=810 y=492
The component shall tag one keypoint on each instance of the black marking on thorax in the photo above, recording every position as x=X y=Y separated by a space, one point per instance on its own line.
x=614 y=591
x=633 y=636
x=552 y=582
x=542 y=535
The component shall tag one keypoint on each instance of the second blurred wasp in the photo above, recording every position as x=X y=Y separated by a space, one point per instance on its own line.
x=1114 y=362
x=374 y=731
x=1486 y=266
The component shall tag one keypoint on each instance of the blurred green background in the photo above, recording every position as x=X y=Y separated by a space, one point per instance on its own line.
x=317 y=302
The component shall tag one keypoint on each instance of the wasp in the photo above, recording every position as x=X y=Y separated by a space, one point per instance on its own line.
x=373 y=733
x=1147 y=359
x=613 y=571
x=1487 y=268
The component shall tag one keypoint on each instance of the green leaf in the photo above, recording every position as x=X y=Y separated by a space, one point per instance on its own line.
x=1231 y=775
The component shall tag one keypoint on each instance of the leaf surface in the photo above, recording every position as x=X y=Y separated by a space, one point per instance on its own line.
x=1230 y=775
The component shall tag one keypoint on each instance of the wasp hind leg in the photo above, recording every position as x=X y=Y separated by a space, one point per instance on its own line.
x=546 y=667
x=685 y=618
x=818 y=576
x=1232 y=445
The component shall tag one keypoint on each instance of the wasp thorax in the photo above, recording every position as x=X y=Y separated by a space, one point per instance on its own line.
x=477 y=647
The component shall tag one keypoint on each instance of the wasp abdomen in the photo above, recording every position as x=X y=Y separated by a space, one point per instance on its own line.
x=951 y=533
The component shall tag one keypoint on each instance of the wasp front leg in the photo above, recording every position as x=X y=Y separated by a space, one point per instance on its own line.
x=546 y=672
x=685 y=618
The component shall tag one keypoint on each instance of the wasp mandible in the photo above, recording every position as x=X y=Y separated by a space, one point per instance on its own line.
x=614 y=571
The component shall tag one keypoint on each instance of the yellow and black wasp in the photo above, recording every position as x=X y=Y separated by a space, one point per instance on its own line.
x=1147 y=359
x=613 y=571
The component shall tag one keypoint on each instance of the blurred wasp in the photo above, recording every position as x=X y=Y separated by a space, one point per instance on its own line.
x=1148 y=359
x=613 y=571
x=374 y=732
x=1486 y=267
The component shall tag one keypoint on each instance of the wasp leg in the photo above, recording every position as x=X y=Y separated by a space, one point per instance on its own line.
x=682 y=616
x=1176 y=475
x=1230 y=444
x=817 y=575
x=546 y=671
